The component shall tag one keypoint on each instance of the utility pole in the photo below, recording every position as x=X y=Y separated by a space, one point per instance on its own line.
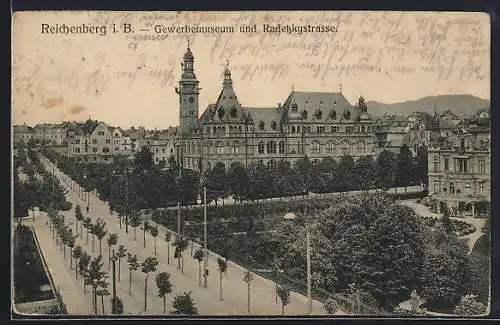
x=308 y=256
x=126 y=200
x=115 y=302
x=205 y=255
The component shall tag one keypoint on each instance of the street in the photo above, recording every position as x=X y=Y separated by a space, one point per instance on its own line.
x=263 y=301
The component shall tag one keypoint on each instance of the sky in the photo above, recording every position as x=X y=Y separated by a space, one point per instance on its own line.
x=129 y=78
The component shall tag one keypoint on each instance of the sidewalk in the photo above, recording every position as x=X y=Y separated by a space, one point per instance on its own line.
x=206 y=299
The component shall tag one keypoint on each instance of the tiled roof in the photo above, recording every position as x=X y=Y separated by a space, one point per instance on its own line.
x=22 y=129
x=266 y=115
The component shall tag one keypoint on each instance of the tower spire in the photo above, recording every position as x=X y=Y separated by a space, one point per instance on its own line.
x=341 y=88
x=188 y=43
x=293 y=89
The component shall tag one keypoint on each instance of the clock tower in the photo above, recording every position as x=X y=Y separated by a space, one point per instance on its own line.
x=188 y=91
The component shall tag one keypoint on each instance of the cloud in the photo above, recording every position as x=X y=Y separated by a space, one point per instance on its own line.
x=52 y=102
x=75 y=110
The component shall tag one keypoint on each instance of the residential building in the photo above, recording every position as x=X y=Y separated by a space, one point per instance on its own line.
x=460 y=170
x=22 y=133
x=94 y=141
x=312 y=124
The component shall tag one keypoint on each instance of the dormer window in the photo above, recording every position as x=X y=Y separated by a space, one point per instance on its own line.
x=333 y=114
x=303 y=115
x=273 y=125
x=221 y=112
x=347 y=115
x=234 y=112
x=319 y=114
x=261 y=125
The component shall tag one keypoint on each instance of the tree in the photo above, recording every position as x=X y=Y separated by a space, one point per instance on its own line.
x=284 y=294
x=237 y=179
x=111 y=241
x=247 y=278
x=102 y=290
x=99 y=230
x=78 y=216
x=168 y=237
x=149 y=265
x=386 y=164
x=184 y=305
x=154 y=232
x=87 y=223
x=421 y=166
x=216 y=182
x=469 y=306
x=135 y=221
x=143 y=160
x=180 y=246
x=364 y=173
x=446 y=222
x=346 y=173
x=116 y=306
x=404 y=167
x=331 y=306
x=83 y=264
x=96 y=278
x=133 y=265
x=77 y=253
x=445 y=274
x=222 y=269
x=198 y=255
x=304 y=170
x=70 y=240
x=145 y=228
x=164 y=287
x=121 y=253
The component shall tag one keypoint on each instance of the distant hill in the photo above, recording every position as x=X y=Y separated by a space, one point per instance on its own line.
x=459 y=104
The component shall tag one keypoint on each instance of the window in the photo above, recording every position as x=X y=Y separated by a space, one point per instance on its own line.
x=271 y=147
x=333 y=114
x=462 y=165
x=105 y=149
x=349 y=128
x=482 y=166
x=156 y=159
x=436 y=164
x=77 y=141
x=347 y=115
x=446 y=164
x=315 y=146
x=452 y=188
x=320 y=129
x=77 y=150
x=163 y=150
x=261 y=147
x=293 y=129
x=271 y=163
x=94 y=149
x=261 y=125
x=335 y=129
x=360 y=147
x=330 y=147
x=235 y=147
x=273 y=125
x=462 y=144
x=94 y=141
x=436 y=186
x=481 y=188
x=281 y=147
x=156 y=150
x=108 y=141
x=100 y=133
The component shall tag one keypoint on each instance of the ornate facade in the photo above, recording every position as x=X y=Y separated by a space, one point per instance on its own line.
x=460 y=171
x=316 y=124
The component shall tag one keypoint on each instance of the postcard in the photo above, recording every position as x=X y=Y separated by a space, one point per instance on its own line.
x=251 y=163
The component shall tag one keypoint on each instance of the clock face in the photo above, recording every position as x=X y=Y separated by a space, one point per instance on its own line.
x=191 y=99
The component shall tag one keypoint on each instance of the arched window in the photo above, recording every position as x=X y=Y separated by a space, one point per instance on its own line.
x=333 y=114
x=221 y=112
x=234 y=112
x=293 y=129
x=271 y=147
x=436 y=163
x=220 y=148
x=347 y=115
x=273 y=125
x=452 y=188
x=261 y=147
x=261 y=125
x=318 y=114
x=281 y=147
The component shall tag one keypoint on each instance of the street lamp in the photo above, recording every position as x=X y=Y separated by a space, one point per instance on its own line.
x=292 y=216
x=205 y=255
x=85 y=194
x=114 y=258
